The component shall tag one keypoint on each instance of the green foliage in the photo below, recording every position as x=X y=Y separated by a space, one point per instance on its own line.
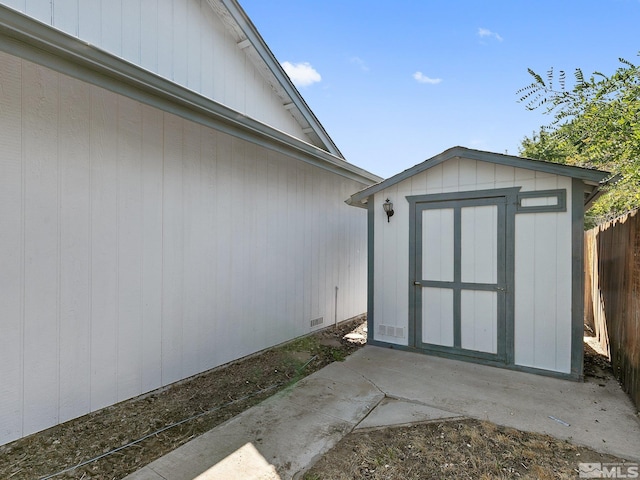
x=596 y=124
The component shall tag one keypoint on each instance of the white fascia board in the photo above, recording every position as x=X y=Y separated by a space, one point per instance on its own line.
x=251 y=32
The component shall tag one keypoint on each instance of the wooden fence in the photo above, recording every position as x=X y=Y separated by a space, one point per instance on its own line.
x=612 y=295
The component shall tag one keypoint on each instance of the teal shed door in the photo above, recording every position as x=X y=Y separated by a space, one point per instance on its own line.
x=459 y=273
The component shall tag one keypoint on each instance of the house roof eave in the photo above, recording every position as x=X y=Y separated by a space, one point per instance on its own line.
x=24 y=37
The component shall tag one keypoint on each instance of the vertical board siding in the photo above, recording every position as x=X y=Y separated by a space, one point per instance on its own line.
x=11 y=248
x=139 y=248
x=112 y=21
x=173 y=251
x=543 y=245
x=180 y=25
x=41 y=11
x=103 y=246
x=129 y=245
x=152 y=164
x=612 y=288
x=89 y=26
x=42 y=243
x=65 y=16
x=543 y=311
x=75 y=181
x=131 y=32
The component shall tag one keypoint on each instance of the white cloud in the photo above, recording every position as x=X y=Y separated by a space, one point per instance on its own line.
x=421 y=78
x=360 y=63
x=485 y=32
x=301 y=74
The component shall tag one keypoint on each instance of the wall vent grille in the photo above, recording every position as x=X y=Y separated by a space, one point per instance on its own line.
x=317 y=321
x=391 y=331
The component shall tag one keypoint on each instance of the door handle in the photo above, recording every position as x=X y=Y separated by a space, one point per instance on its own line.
x=417 y=284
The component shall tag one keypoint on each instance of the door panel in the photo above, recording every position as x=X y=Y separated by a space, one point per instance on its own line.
x=479 y=244
x=479 y=320
x=459 y=255
x=437 y=312
x=437 y=239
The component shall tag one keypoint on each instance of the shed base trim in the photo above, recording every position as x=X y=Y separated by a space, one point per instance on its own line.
x=480 y=361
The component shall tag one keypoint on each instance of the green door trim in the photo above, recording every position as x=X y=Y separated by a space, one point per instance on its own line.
x=506 y=201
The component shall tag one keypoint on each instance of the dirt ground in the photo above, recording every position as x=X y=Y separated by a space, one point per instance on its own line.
x=201 y=402
x=118 y=440
x=461 y=449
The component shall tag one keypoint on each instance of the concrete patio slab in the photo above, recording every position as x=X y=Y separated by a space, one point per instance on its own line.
x=374 y=387
x=600 y=417
x=392 y=412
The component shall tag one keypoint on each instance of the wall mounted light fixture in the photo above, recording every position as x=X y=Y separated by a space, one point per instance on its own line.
x=388 y=209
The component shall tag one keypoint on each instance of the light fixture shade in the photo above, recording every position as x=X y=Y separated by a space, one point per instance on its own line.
x=388 y=208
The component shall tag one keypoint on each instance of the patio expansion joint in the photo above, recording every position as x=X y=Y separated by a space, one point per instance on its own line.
x=425 y=404
x=380 y=400
x=160 y=476
x=374 y=384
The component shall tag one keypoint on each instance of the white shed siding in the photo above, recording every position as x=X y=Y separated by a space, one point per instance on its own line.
x=543 y=245
x=543 y=260
x=182 y=40
x=138 y=248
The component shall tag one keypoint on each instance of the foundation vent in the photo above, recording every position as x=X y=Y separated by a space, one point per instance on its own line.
x=317 y=321
x=391 y=331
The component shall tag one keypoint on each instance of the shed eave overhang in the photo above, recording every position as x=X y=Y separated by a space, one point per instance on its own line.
x=588 y=176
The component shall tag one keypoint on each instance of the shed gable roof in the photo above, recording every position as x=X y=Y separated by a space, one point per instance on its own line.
x=591 y=177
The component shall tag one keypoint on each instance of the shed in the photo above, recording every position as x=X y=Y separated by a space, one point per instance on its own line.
x=168 y=203
x=481 y=259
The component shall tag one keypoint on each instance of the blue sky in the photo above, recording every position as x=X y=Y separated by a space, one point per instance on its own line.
x=395 y=83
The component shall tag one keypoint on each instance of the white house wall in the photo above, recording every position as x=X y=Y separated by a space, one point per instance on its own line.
x=182 y=40
x=138 y=248
x=543 y=245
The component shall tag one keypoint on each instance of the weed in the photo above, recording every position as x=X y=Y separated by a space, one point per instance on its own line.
x=338 y=355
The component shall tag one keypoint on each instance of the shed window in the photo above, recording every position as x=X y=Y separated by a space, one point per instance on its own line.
x=542 y=201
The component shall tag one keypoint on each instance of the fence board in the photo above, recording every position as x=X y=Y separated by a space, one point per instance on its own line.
x=612 y=295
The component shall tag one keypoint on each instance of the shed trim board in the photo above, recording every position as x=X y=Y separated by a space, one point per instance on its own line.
x=564 y=205
x=26 y=38
x=371 y=216
x=577 y=279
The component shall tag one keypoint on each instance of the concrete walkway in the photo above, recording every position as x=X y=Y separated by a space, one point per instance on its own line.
x=374 y=387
